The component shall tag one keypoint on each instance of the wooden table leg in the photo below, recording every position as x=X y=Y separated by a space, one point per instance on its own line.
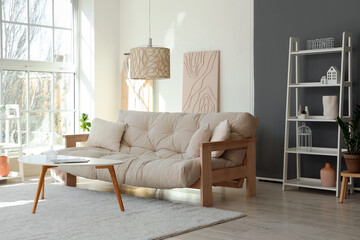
x=346 y=186
x=115 y=183
x=43 y=191
x=343 y=189
x=40 y=185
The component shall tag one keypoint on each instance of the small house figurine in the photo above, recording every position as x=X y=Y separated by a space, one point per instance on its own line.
x=323 y=80
x=333 y=75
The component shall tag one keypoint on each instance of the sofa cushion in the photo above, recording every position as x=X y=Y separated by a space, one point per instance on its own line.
x=120 y=169
x=202 y=135
x=220 y=133
x=242 y=127
x=150 y=132
x=106 y=134
x=146 y=171
x=167 y=135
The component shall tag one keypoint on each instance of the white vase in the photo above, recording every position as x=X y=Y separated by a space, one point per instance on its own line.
x=331 y=107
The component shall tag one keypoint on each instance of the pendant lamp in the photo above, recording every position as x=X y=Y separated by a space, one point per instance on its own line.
x=148 y=62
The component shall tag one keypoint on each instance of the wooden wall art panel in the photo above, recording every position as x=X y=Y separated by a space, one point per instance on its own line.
x=201 y=82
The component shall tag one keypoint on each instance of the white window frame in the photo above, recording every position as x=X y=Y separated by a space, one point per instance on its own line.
x=42 y=66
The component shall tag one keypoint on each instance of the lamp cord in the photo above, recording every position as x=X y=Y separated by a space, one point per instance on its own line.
x=150 y=40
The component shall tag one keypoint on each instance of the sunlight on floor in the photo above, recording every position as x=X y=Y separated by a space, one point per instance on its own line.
x=16 y=203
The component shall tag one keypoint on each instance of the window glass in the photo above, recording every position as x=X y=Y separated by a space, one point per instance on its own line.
x=63 y=14
x=13 y=136
x=13 y=88
x=40 y=91
x=63 y=124
x=14 y=44
x=41 y=44
x=14 y=10
x=40 y=12
x=39 y=130
x=64 y=91
x=36 y=38
x=63 y=46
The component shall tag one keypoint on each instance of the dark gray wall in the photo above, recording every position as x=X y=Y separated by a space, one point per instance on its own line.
x=275 y=22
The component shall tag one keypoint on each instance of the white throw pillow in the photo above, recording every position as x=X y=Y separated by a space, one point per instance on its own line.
x=202 y=135
x=220 y=133
x=106 y=134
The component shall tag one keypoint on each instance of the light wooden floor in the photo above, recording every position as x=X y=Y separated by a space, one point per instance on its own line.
x=272 y=214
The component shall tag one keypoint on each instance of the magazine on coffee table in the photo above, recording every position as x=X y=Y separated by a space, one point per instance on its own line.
x=69 y=159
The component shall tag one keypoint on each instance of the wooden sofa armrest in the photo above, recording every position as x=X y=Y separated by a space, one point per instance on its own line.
x=228 y=144
x=206 y=180
x=206 y=148
x=71 y=140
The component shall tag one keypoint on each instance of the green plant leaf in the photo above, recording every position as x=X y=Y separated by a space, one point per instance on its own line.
x=85 y=125
x=351 y=132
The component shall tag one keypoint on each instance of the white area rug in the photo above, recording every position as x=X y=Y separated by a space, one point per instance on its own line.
x=74 y=213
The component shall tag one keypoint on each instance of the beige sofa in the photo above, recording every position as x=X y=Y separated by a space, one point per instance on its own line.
x=153 y=149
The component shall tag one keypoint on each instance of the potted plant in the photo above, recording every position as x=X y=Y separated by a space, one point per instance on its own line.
x=351 y=135
x=85 y=124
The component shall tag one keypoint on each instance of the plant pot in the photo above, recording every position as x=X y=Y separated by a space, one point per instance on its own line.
x=352 y=163
x=328 y=176
x=4 y=166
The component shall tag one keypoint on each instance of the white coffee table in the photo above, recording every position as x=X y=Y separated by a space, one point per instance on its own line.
x=46 y=164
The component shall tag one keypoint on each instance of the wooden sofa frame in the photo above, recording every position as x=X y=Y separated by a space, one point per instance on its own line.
x=226 y=177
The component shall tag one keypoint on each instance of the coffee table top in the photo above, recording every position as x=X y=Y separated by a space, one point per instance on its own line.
x=41 y=160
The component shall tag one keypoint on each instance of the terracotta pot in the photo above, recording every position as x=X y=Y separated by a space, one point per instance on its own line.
x=352 y=163
x=328 y=176
x=4 y=166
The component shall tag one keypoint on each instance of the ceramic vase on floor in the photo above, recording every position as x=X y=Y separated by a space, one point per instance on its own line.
x=328 y=176
x=4 y=166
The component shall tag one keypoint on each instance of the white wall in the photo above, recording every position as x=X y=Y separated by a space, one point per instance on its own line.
x=107 y=67
x=99 y=71
x=110 y=28
x=196 y=25
x=86 y=58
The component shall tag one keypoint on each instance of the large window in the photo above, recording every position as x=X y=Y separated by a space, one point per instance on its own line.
x=37 y=68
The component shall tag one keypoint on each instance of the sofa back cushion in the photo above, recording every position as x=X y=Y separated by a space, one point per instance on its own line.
x=221 y=133
x=105 y=134
x=167 y=135
x=202 y=135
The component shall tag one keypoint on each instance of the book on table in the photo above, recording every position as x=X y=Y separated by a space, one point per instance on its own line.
x=69 y=159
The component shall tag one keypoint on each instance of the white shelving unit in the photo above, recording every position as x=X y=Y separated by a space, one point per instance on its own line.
x=9 y=148
x=293 y=85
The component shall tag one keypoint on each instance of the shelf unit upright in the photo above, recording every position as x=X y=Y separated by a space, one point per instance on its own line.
x=294 y=84
x=9 y=148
